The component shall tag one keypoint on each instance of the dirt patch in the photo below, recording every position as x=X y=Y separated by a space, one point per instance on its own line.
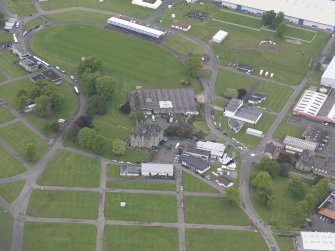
x=268 y=44
x=294 y=41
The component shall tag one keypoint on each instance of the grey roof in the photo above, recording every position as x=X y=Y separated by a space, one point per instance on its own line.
x=223 y=180
x=235 y=124
x=300 y=143
x=147 y=129
x=51 y=74
x=249 y=113
x=129 y=169
x=157 y=168
x=183 y=100
x=327 y=105
x=37 y=77
x=192 y=150
x=196 y=163
x=29 y=61
x=270 y=148
x=233 y=105
x=315 y=134
x=318 y=162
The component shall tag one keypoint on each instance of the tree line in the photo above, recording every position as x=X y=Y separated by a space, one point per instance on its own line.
x=275 y=21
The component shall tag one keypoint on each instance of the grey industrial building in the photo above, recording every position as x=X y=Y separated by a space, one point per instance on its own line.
x=236 y=110
x=198 y=153
x=30 y=64
x=195 y=164
x=294 y=145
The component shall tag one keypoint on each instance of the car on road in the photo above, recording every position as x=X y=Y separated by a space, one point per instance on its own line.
x=57 y=67
x=72 y=77
x=62 y=71
x=181 y=188
x=252 y=154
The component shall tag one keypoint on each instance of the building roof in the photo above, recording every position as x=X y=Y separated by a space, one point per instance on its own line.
x=327 y=212
x=178 y=24
x=318 y=241
x=136 y=26
x=248 y=113
x=300 y=143
x=270 y=148
x=192 y=150
x=157 y=168
x=198 y=164
x=129 y=169
x=147 y=129
x=330 y=71
x=51 y=74
x=224 y=181
x=220 y=35
x=321 y=11
x=311 y=102
x=315 y=134
x=216 y=149
x=29 y=61
x=172 y=100
x=233 y=105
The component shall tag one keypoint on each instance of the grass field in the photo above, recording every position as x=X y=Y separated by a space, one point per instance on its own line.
x=285 y=243
x=6 y=223
x=32 y=23
x=10 y=191
x=183 y=45
x=8 y=165
x=71 y=169
x=193 y=184
x=211 y=210
x=119 y=6
x=6 y=63
x=20 y=7
x=220 y=102
x=78 y=16
x=68 y=237
x=18 y=136
x=141 y=207
x=6 y=36
x=2 y=78
x=204 y=239
x=125 y=238
x=284 y=129
x=5 y=115
x=201 y=125
x=8 y=92
x=63 y=204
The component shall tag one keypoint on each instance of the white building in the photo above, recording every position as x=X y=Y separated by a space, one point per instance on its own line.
x=255 y=132
x=314 y=14
x=236 y=110
x=216 y=149
x=181 y=26
x=155 y=169
x=316 y=241
x=150 y=5
x=328 y=77
x=219 y=36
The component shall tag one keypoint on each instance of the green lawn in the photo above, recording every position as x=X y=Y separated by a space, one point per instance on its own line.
x=8 y=165
x=147 y=185
x=10 y=191
x=212 y=210
x=6 y=63
x=205 y=240
x=55 y=236
x=285 y=243
x=20 y=7
x=78 y=16
x=18 y=136
x=71 y=169
x=8 y=92
x=194 y=184
x=6 y=36
x=119 y=6
x=5 y=115
x=32 y=23
x=2 y=78
x=63 y=204
x=125 y=238
x=6 y=223
x=201 y=125
x=183 y=45
x=141 y=207
x=284 y=129
x=220 y=102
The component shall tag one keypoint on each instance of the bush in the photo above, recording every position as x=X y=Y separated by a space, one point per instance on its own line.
x=125 y=108
x=84 y=121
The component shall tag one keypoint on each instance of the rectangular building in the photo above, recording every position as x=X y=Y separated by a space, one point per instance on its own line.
x=194 y=164
x=294 y=145
x=216 y=149
x=236 y=110
x=219 y=36
x=181 y=26
x=152 y=4
x=328 y=77
x=156 y=169
x=29 y=64
x=316 y=241
x=197 y=153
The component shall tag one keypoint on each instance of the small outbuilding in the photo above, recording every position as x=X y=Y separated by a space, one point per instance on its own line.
x=195 y=164
x=181 y=26
x=219 y=36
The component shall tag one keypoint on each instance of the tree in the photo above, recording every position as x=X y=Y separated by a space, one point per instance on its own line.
x=84 y=121
x=86 y=137
x=285 y=169
x=98 y=144
x=262 y=181
x=96 y=105
x=30 y=152
x=297 y=188
x=118 y=147
x=230 y=93
x=281 y=29
x=104 y=87
x=89 y=79
x=2 y=18
x=182 y=131
x=280 y=18
x=269 y=17
x=241 y=93
x=72 y=132
x=54 y=127
x=300 y=214
x=318 y=66
x=193 y=66
x=89 y=65
x=232 y=195
x=43 y=106
x=270 y=166
x=125 y=108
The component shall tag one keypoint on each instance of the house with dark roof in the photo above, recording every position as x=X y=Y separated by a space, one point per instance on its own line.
x=30 y=64
x=223 y=182
x=197 y=153
x=130 y=170
x=146 y=134
x=53 y=76
x=272 y=150
x=236 y=110
x=195 y=164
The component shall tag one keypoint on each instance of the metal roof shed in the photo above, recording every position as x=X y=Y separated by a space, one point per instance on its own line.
x=219 y=36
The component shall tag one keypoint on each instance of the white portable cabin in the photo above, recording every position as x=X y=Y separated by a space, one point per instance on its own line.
x=219 y=36
x=254 y=132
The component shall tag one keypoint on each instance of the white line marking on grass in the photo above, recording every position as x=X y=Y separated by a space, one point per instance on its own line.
x=241 y=14
x=239 y=25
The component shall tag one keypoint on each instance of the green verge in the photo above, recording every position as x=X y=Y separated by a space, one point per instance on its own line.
x=201 y=125
x=125 y=238
x=204 y=239
x=9 y=166
x=5 y=115
x=284 y=243
x=10 y=191
x=141 y=207
x=6 y=229
x=146 y=185
x=2 y=78
x=18 y=136
x=194 y=184
x=63 y=204
x=183 y=45
x=68 y=237
x=21 y=8
x=78 y=16
x=32 y=23
x=6 y=36
x=8 y=92
x=212 y=210
x=72 y=170
x=284 y=129
x=6 y=63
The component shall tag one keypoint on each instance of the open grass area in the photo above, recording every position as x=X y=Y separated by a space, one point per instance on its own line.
x=2 y=78
x=78 y=16
x=183 y=45
x=194 y=184
x=20 y=7
x=53 y=236
x=284 y=243
x=6 y=63
x=201 y=125
x=6 y=36
x=71 y=169
x=119 y=6
x=284 y=129
x=32 y=23
x=18 y=136
x=63 y=204
x=220 y=102
x=141 y=207
x=10 y=191
x=212 y=210
x=8 y=165
x=125 y=238
x=5 y=115
x=6 y=223
x=204 y=239
x=8 y=92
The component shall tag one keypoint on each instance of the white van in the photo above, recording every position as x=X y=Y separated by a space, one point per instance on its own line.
x=177 y=145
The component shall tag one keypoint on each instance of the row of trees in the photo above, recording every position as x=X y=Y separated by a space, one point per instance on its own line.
x=235 y=93
x=275 y=21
